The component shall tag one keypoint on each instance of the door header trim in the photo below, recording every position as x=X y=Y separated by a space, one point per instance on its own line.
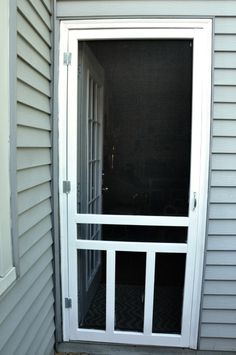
x=137 y=23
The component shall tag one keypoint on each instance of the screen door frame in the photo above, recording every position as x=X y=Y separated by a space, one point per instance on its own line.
x=198 y=30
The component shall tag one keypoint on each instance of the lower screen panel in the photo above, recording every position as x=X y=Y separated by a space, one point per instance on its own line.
x=168 y=293
x=92 y=289
x=129 y=291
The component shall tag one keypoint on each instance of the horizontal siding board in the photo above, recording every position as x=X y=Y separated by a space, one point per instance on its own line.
x=14 y=318
x=218 y=330
x=219 y=344
x=33 y=217
x=222 y=211
x=32 y=37
x=28 y=178
x=224 y=128
x=32 y=157
x=225 y=77
x=32 y=137
x=221 y=273
x=39 y=248
x=225 y=43
x=148 y=7
x=33 y=98
x=21 y=332
x=224 y=110
x=31 y=56
x=213 y=316
x=32 y=197
x=28 y=75
x=29 y=117
x=225 y=60
x=225 y=94
x=221 y=258
x=222 y=227
x=220 y=288
x=225 y=25
x=42 y=11
x=221 y=242
x=34 y=234
x=34 y=19
x=219 y=302
x=224 y=145
x=223 y=178
x=223 y=194
x=223 y=161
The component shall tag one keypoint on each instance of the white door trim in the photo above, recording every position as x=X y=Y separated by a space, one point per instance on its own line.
x=200 y=32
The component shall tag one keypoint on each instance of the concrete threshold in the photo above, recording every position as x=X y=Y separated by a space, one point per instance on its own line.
x=82 y=348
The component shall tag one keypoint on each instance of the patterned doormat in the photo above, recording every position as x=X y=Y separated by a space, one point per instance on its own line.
x=129 y=309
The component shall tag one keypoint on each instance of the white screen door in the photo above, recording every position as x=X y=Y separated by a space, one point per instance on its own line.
x=131 y=234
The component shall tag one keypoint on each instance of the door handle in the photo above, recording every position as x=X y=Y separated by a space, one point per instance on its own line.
x=194 y=200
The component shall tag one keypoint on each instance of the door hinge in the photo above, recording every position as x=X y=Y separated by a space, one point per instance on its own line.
x=67 y=58
x=68 y=302
x=66 y=186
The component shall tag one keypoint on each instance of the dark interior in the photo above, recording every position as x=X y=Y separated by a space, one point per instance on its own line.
x=146 y=170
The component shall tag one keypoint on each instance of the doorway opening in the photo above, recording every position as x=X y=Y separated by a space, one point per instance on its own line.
x=134 y=158
x=134 y=107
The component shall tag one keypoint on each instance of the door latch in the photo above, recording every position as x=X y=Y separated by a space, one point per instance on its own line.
x=194 y=200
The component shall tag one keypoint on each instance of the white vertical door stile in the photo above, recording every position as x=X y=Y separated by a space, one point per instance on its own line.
x=90 y=211
x=110 y=292
x=72 y=129
x=149 y=292
x=194 y=183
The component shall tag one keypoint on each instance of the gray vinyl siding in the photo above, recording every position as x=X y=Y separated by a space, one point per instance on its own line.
x=218 y=315
x=217 y=329
x=27 y=310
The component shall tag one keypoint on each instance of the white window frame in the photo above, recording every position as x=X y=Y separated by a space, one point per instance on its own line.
x=7 y=270
x=178 y=28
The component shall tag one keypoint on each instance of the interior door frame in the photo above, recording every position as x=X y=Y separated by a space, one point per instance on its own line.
x=200 y=30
